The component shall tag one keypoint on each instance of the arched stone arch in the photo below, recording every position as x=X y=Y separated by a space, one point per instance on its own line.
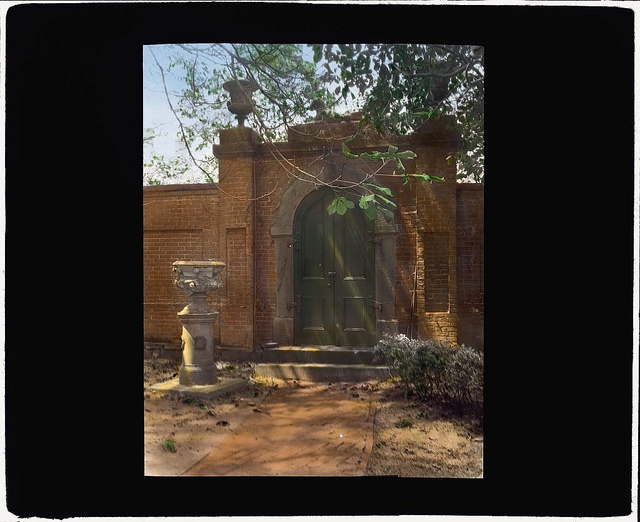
x=282 y=232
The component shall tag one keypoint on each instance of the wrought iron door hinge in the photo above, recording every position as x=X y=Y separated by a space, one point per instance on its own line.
x=374 y=305
x=295 y=304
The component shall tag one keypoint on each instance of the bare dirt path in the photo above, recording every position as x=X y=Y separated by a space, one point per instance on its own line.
x=292 y=428
x=300 y=430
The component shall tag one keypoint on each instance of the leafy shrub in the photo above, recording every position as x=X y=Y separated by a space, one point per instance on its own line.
x=464 y=378
x=436 y=370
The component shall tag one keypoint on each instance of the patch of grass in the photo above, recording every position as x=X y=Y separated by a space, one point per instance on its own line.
x=231 y=367
x=404 y=423
x=169 y=445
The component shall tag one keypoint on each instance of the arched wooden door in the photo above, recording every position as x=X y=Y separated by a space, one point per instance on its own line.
x=333 y=275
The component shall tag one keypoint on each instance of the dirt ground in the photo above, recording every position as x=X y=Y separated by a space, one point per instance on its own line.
x=410 y=439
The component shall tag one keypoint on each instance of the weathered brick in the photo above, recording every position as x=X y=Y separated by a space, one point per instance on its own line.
x=439 y=250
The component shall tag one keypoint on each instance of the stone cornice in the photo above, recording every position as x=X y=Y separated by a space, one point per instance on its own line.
x=166 y=190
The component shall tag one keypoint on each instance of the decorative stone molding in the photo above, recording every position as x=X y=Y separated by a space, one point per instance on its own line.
x=198 y=276
x=282 y=231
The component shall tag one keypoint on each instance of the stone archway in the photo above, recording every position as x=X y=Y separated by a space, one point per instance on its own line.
x=282 y=232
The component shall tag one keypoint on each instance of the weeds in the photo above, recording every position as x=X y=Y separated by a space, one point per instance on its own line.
x=169 y=445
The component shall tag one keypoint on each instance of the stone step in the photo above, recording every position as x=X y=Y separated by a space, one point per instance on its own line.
x=318 y=355
x=323 y=372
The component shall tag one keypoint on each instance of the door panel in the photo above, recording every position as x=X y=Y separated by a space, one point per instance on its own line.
x=354 y=317
x=333 y=275
x=313 y=252
x=355 y=286
x=313 y=258
x=313 y=313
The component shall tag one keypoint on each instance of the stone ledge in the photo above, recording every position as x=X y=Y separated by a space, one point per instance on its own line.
x=324 y=372
x=164 y=190
x=209 y=391
x=162 y=350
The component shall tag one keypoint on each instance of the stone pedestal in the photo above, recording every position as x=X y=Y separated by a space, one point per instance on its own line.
x=198 y=345
x=198 y=367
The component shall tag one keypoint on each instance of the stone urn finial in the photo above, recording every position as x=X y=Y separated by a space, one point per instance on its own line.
x=320 y=107
x=241 y=103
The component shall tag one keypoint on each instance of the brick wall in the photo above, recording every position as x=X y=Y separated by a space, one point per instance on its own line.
x=271 y=186
x=439 y=246
x=426 y=284
x=471 y=264
x=236 y=235
x=179 y=224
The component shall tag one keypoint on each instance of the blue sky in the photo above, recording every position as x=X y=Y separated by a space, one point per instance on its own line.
x=156 y=112
x=158 y=116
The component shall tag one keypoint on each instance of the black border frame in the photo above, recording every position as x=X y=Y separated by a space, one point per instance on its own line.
x=559 y=233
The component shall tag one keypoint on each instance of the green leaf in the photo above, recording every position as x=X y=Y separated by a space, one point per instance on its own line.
x=341 y=208
x=387 y=201
x=392 y=149
x=365 y=201
x=347 y=152
x=407 y=154
x=331 y=209
x=371 y=211
x=373 y=155
x=317 y=53
x=427 y=177
x=384 y=190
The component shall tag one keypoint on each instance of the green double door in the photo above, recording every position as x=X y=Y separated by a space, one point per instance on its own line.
x=334 y=282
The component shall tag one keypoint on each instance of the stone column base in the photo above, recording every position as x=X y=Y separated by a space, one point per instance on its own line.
x=198 y=365
x=386 y=328
x=283 y=331
x=193 y=375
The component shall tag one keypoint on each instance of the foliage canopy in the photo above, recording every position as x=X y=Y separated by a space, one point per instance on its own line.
x=397 y=87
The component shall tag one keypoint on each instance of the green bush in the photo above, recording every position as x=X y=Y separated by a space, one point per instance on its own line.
x=436 y=370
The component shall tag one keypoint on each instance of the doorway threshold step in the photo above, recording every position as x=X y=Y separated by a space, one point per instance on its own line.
x=318 y=355
x=323 y=372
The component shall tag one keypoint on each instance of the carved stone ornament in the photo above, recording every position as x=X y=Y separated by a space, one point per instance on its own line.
x=241 y=103
x=198 y=276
